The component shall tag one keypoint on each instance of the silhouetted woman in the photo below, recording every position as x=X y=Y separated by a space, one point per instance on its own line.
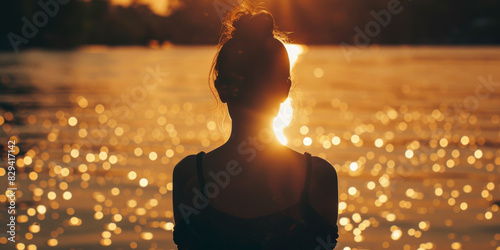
x=252 y=192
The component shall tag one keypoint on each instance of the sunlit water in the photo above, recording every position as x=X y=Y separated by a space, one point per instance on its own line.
x=413 y=132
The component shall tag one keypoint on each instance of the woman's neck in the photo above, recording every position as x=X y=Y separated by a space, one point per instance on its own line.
x=256 y=132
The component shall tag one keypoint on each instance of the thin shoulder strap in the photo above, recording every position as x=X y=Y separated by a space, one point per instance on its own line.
x=199 y=167
x=305 y=191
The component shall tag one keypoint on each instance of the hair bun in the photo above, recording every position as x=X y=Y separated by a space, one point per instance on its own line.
x=254 y=26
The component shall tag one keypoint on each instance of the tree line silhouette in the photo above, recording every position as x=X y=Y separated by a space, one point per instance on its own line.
x=81 y=22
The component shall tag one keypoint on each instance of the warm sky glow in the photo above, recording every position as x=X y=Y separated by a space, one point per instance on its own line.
x=160 y=7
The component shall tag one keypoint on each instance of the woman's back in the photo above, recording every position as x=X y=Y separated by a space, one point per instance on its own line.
x=255 y=206
x=266 y=183
x=253 y=192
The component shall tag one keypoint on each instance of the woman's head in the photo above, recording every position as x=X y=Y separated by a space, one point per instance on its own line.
x=251 y=68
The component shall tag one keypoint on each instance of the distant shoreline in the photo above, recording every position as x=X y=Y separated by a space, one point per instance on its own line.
x=104 y=47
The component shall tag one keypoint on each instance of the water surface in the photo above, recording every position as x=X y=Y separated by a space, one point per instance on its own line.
x=413 y=133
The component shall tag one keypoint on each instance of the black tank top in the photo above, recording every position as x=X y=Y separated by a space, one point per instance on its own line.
x=296 y=227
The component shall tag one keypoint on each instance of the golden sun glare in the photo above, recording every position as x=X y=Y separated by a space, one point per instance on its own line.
x=285 y=114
